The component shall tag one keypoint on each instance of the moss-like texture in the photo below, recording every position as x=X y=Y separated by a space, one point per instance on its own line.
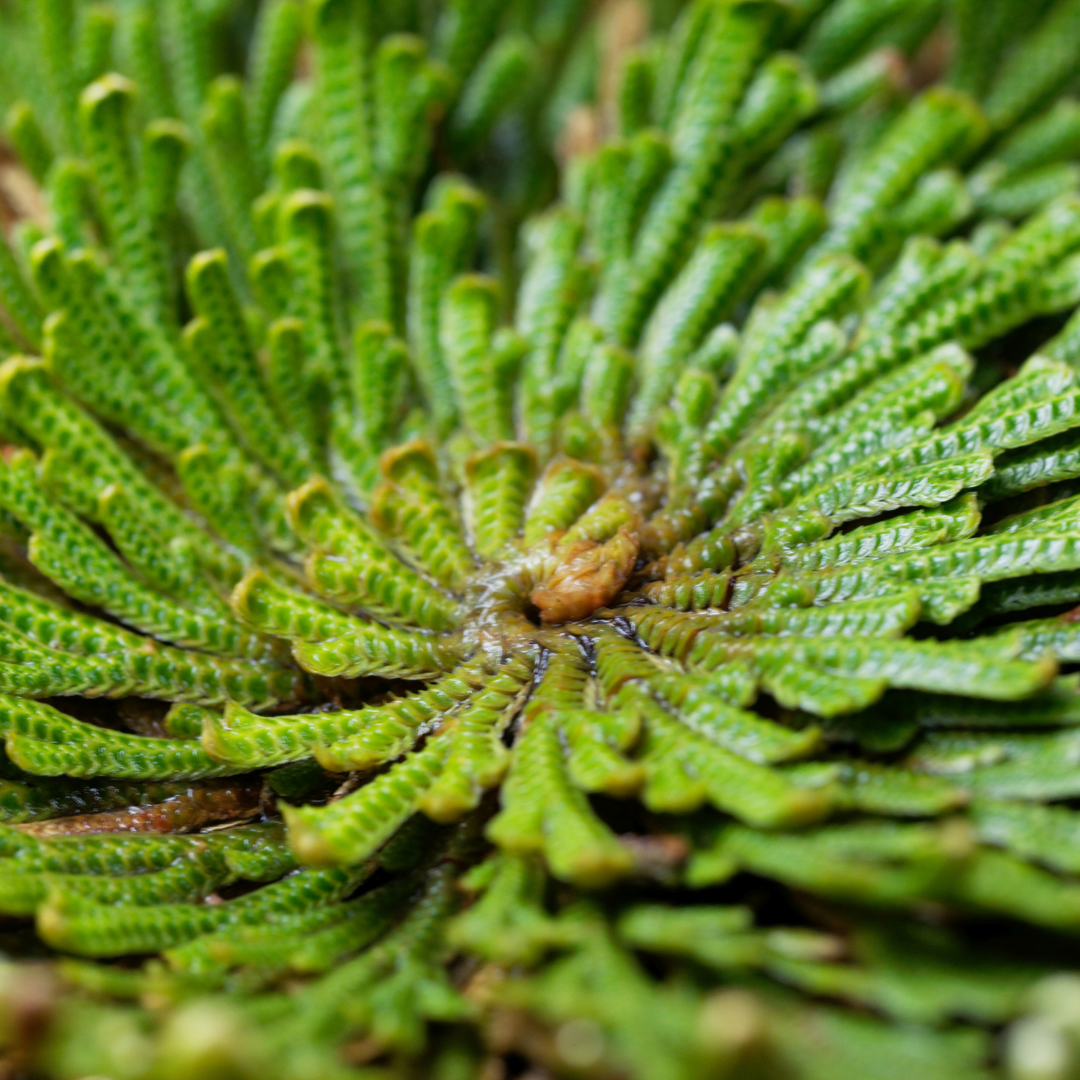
x=600 y=620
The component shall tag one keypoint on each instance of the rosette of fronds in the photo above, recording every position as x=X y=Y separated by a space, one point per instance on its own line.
x=719 y=539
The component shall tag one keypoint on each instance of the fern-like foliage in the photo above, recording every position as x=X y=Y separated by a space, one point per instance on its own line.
x=578 y=614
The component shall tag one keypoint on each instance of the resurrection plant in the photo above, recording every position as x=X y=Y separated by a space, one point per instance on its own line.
x=629 y=645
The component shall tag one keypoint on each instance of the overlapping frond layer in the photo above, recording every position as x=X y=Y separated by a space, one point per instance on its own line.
x=475 y=475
